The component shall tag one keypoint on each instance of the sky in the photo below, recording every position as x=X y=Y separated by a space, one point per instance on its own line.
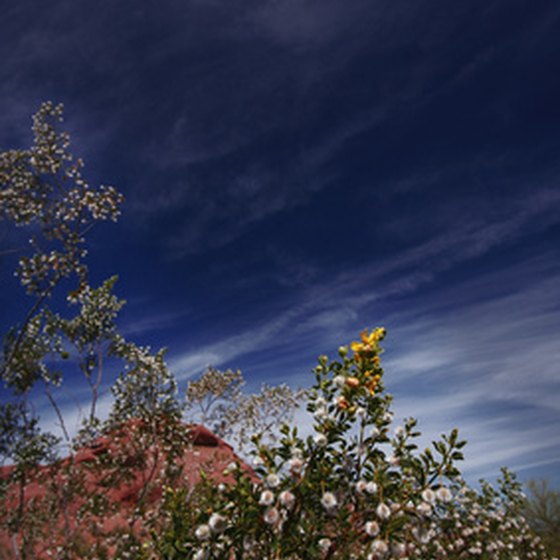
x=298 y=170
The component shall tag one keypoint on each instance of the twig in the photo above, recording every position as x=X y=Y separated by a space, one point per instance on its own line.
x=58 y=412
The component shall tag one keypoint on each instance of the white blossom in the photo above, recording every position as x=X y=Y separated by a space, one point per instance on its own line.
x=361 y=486
x=379 y=546
x=217 y=523
x=424 y=508
x=383 y=511
x=273 y=480
x=321 y=413
x=266 y=498
x=287 y=499
x=271 y=515
x=444 y=494
x=371 y=528
x=429 y=495
x=324 y=545
x=295 y=464
x=339 y=381
x=329 y=500
x=202 y=532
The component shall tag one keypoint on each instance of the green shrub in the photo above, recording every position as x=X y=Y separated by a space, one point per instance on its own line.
x=356 y=488
x=542 y=511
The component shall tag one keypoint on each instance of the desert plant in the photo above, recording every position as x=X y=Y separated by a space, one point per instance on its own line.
x=217 y=400
x=541 y=508
x=356 y=488
x=70 y=328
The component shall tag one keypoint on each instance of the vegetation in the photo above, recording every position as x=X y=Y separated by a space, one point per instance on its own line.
x=356 y=488
x=542 y=511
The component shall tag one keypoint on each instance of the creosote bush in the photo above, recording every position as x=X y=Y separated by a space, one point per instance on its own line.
x=357 y=487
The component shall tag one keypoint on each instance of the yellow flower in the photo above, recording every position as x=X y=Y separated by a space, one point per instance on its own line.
x=371 y=387
x=372 y=384
x=368 y=341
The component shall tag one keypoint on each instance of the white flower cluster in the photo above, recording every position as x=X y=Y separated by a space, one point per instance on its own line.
x=44 y=186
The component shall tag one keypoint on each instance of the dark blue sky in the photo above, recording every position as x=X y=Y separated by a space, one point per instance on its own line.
x=297 y=170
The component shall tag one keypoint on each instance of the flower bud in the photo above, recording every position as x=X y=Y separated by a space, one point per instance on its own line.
x=353 y=382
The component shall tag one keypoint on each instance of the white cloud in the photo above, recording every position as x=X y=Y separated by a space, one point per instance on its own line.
x=482 y=355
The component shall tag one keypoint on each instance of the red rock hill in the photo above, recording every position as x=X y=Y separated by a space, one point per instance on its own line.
x=94 y=493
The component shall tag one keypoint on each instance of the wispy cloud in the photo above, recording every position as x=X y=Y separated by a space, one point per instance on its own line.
x=404 y=273
x=481 y=354
x=408 y=147
x=152 y=322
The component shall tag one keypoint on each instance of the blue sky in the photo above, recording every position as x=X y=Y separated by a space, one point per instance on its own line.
x=298 y=170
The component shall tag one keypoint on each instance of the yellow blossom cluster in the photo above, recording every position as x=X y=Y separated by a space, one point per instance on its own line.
x=368 y=344
x=367 y=373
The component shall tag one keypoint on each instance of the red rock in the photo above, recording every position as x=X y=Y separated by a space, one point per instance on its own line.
x=134 y=482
